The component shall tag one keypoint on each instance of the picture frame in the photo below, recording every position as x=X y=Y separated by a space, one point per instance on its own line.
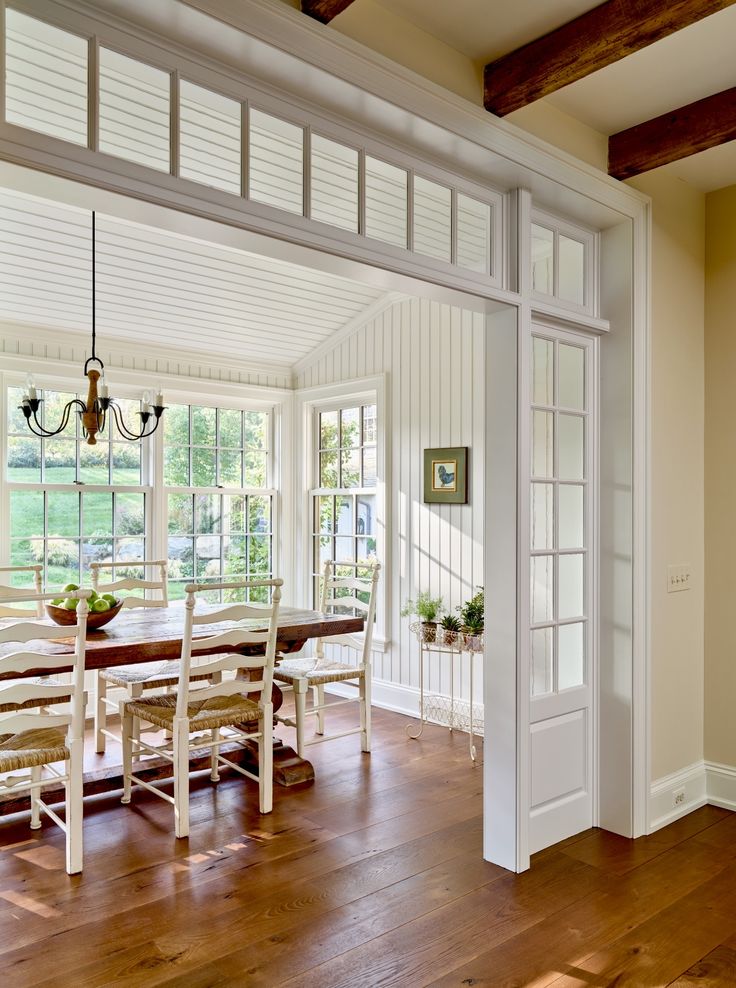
x=446 y=475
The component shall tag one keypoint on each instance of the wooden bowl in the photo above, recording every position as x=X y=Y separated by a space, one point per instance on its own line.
x=60 y=615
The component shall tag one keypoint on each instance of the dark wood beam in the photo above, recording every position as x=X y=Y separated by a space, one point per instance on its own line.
x=678 y=134
x=597 y=38
x=324 y=10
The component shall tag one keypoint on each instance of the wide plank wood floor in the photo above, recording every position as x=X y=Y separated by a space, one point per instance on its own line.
x=372 y=876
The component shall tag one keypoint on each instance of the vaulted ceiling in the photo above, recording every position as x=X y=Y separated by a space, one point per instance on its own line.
x=649 y=59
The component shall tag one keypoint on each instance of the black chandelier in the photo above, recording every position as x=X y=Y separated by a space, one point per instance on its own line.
x=94 y=412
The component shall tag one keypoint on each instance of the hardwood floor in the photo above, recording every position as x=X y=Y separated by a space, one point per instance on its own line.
x=373 y=876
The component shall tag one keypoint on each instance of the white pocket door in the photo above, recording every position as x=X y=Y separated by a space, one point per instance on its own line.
x=562 y=585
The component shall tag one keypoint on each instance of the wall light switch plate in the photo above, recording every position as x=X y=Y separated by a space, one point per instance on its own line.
x=678 y=578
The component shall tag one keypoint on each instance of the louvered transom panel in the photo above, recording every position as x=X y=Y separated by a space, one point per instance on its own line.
x=334 y=183
x=134 y=110
x=432 y=219
x=45 y=78
x=276 y=163
x=157 y=288
x=209 y=138
x=386 y=201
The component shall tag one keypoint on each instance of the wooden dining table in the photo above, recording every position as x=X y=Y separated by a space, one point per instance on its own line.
x=149 y=634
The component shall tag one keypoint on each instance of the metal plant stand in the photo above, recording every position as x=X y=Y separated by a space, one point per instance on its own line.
x=453 y=644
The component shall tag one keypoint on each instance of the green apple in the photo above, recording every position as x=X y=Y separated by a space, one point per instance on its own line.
x=70 y=587
x=100 y=605
x=71 y=604
x=93 y=595
x=110 y=598
x=57 y=601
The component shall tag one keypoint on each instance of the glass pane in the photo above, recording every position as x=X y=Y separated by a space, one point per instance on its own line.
x=572 y=377
x=209 y=138
x=369 y=467
x=432 y=219
x=203 y=467
x=325 y=520
x=542 y=516
x=572 y=448
x=134 y=110
x=541 y=661
x=94 y=463
x=16 y=418
x=571 y=262
x=259 y=554
x=542 y=260
x=542 y=569
x=236 y=556
x=45 y=78
x=97 y=550
x=208 y=556
x=130 y=414
x=276 y=165
x=344 y=516
x=543 y=371
x=386 y=196
x=255 y=469
x=207 y=509
x=26 y=514
x=230 y=426
x=176 y=466
x=129 y=550
x=60 y=461
x=344 y=550
x=369 y=424
x=52 y=411
x=24 y=460
x=572 y=517
x=231 y=468
x=204 y=422
x=130 y=514
x=256 y=430
x=570 y=603
x=473 y=234
x=542 y=444
x=62 y=562
x=366 y=520
x=25 y=552
x=323 y=550
x=350 y=468
x=570 y=656
x=63 y=513
x=126 y=464
x=328 y=430
x=259 y=514
x=233 y=513
x=334 y=183
x=328 y=470
x=181 y=558
x=350 y=425
x=176 y=424
x=96 y=514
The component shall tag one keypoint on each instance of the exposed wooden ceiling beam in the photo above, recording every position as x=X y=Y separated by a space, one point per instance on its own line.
x=324 y=10
x=704 y=124
x=597 y=38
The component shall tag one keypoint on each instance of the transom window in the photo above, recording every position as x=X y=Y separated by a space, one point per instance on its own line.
x=344 y=500
x=563 y=262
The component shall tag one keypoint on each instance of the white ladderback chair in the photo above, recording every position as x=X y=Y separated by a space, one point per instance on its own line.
x=214 y=712
x=137 y=678
x=32 y=740
x=10 y=609
x=339 y=593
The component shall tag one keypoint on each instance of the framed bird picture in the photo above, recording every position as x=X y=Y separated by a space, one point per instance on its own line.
x=446 y=475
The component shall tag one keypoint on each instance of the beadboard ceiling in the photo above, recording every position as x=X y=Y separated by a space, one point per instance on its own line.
x=155 y=287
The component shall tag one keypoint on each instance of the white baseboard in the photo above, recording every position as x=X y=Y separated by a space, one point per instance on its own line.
x=689 y=783
x=721 y=785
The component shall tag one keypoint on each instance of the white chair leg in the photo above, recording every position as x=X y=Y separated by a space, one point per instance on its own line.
x=75 y=807
x=214 y=752
x=135 y=691
x=181 y=777
x=365 y=711
x=265 y=759
x=100 y=714
x=126 y=730
x=300 y=708
x=35 y=794
x=318 y=699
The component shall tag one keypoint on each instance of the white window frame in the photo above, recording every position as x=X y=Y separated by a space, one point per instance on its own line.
x=310 y=402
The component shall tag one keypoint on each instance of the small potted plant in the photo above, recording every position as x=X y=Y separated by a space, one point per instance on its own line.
x=450 y=629
x=426 y=608
x=472 y=616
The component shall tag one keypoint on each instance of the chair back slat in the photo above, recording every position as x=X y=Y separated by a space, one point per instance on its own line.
x=331 y=603
x=352 y=602
x=134 y=583
x=8 y=610
x=17 y=693
x=235 y=612
x=226 y=663
x=232 y=636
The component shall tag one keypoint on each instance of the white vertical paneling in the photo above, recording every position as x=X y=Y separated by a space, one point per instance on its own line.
x=434 y=359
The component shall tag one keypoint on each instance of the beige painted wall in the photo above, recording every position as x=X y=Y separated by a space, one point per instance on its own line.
x=720 y=476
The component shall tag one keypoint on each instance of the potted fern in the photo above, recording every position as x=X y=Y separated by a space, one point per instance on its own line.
x=426 y=608
x=472 y=616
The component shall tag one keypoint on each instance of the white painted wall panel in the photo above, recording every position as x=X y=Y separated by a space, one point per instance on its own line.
x=433 y=356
